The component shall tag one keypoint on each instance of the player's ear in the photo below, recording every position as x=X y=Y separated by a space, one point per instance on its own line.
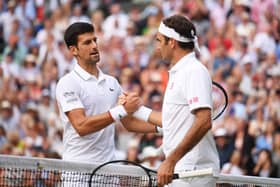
x=73 y=50
x=172 y=42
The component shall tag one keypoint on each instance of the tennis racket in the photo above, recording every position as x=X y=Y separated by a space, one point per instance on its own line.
x=220 y=100
x=146 y=177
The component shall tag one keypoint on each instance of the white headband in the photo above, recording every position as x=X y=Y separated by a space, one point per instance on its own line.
x=171 y=33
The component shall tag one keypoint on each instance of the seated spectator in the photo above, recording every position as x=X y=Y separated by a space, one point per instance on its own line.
x=264 y=166
x=234 y=166
x=224 y=145
x=276 y=152
x=150 y=157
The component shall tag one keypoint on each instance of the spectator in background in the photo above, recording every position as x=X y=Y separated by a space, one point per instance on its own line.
x=7 y=17
x=48 y=29
x=116 y=22
x=218 y=14
x=150 y=157
x=14 y=46
x=17 y=143
x=60 y=19
x=234 y=166
x=132 y=153
x=246 y=27
x=264 y=140
x=97 y=18
x=224 y=145
x=276 y=152
x=247 y=68
x=9 y=117
x=10 y=69
x=264 y=166
x=3 y=137
x=222 y=62
x=264 y=43
x=45 y=107
x=273 y=107
x=78 y=15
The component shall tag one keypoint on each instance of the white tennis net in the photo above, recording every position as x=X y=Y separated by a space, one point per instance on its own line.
x=39 y=172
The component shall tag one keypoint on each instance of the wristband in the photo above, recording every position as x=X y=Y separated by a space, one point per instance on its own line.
x=118 y=112
x=159 y=129
x=142 y=113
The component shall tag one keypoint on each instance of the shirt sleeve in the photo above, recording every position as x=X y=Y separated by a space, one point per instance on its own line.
x=67 y=95
x=199 y=89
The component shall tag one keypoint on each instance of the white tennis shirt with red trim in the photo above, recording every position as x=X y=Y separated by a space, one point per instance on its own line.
x=189 y=88
x=79 y=89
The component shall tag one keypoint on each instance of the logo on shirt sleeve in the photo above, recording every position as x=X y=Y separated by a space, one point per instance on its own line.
x=70 y=97
x=69 y=94
x=193 y=100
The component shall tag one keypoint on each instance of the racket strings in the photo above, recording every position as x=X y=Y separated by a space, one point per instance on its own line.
x=220 y=100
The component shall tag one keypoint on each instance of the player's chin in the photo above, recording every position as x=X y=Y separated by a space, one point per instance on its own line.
x=95 y=58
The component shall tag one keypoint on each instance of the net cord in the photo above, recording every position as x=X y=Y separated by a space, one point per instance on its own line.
x=20 y=162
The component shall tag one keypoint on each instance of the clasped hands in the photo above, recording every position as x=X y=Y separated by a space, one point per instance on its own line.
x=130 y=101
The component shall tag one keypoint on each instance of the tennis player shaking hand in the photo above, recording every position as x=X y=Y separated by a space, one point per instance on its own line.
x=88 y=102
x=188 y=143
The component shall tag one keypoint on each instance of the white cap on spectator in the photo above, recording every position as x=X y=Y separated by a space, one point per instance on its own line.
x=247 y=59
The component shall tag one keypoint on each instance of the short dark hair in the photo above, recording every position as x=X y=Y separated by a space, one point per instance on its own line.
x=184 y=27
x=73 y=31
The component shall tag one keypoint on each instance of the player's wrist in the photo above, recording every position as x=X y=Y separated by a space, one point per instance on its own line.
x=142 y=113
x=118 y=112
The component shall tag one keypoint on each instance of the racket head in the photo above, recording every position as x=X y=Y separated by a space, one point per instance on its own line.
x=148 y=179
x=220 y=100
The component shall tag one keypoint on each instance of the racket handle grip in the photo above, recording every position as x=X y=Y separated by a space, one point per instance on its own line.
x=194 y=173
x=175 y=176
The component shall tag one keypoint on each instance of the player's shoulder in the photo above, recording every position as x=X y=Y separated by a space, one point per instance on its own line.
x=68 y=78
x=196 y=64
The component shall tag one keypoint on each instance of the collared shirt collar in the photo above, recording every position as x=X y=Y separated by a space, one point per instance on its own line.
x=86 y=76
x=182 y=62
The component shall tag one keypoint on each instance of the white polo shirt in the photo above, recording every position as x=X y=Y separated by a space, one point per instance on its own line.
x=189 y=88
x=79 y=89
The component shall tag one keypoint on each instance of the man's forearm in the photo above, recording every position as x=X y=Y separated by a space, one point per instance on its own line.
x=155 y=118
x=200 y=127
x=136 y=125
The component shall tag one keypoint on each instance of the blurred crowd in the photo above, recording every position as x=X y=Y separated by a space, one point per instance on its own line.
x=239 y=44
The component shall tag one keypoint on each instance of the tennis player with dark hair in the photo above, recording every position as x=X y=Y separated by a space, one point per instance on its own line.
x=186 y=121
x=87 y=100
